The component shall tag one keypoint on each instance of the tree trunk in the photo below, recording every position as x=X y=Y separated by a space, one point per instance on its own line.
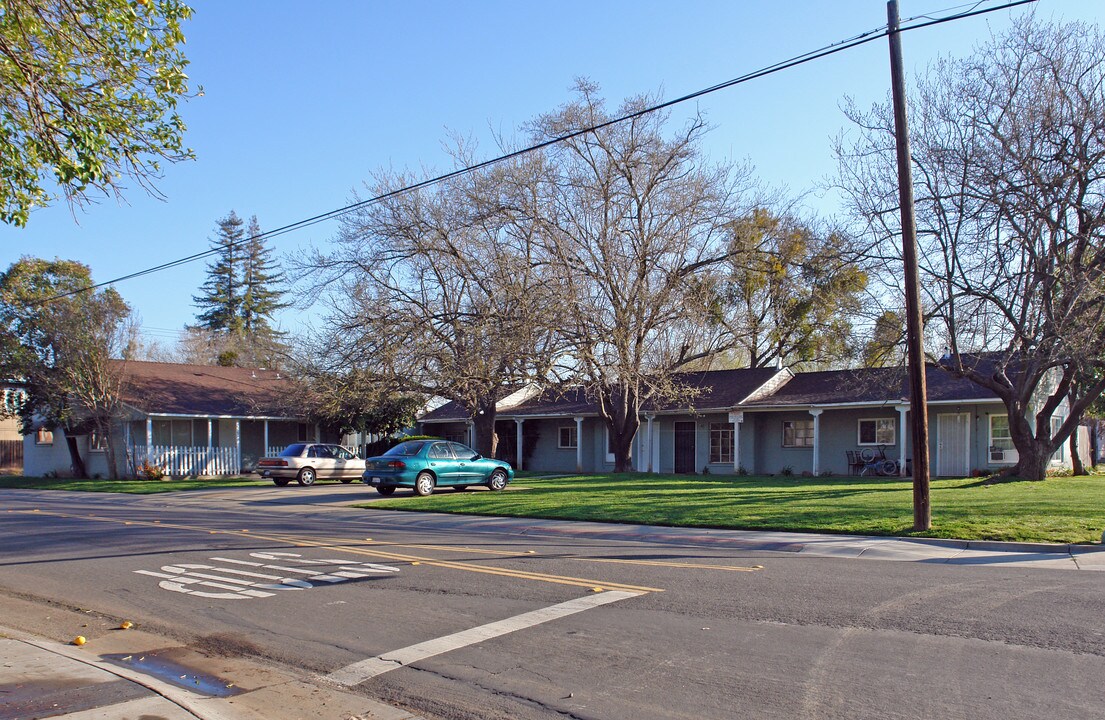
x=1033 y=463
x=75 y=460
x=1076 y=459
x=486 y=439
x=109 y=447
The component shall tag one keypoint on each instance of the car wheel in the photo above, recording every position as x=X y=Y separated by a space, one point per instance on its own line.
x=280 y=482
x=460 y=488
x=306 y=476
x=385 y=489
x=424 y=484
x=498 y=480
x=346 y=481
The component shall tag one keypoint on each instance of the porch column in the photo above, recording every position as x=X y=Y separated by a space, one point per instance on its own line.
x=210 y=442
x=816 y=440
x=470 y=433
x=579 y=444
x=737 y=418
x=238 y=441
x=648 y=438
x=318 y=435
x=149 y=434
x=265 y=450
x=902 y=435
x=518 y=461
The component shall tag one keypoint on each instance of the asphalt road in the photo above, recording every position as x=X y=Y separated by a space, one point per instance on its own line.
x=453 y=624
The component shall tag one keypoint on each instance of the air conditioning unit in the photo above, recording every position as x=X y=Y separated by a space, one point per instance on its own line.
x=1003 y=455
x=997 y=455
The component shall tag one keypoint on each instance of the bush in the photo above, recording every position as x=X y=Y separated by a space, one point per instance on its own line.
x=787 y=471
x=149 y=471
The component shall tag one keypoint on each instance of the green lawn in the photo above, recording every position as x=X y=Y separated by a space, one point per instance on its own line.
x=137 y=487
x=1056 y=510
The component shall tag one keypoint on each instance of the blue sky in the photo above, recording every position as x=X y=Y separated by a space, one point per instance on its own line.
x=302 y=101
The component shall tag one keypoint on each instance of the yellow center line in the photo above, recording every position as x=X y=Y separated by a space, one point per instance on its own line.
x=305 y=542
x=343 y=545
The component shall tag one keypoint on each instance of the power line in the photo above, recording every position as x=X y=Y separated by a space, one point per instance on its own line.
x=825 y=51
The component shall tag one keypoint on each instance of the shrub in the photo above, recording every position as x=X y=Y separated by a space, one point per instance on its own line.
x=787 y=471
x=149 y=471
x=742 y=470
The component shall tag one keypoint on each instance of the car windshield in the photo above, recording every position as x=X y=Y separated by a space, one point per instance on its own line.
x=407 y=449
x=293 y=450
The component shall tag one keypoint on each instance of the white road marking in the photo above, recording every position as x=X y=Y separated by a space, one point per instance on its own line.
x=189 y=578
x=358 y=672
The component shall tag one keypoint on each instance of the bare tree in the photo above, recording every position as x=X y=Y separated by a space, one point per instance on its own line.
x=442 y=292
x=631 y=220
x=1009 y=156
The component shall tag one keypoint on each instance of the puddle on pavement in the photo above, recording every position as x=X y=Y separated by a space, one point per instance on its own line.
x=162 y=665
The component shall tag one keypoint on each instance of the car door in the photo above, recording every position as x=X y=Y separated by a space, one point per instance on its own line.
x=338 y=456
x=322 y=460
x=443 y=463
x=468 y=469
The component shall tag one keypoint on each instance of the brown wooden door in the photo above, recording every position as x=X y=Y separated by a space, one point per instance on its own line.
x=684 y=447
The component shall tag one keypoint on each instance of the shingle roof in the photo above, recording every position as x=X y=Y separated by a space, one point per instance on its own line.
x=869 y=385
x=203 y=390
x=711 y=389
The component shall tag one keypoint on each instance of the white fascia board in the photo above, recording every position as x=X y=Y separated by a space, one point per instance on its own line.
x=873 y=404
x=192 y=416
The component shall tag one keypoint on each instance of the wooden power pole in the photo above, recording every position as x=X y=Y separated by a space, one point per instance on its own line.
x=918 y=404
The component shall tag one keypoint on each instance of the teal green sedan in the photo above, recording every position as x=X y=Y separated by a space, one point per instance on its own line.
x=428 y=464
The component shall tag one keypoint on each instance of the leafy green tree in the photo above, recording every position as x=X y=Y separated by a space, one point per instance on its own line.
x=65 y=349
x=790 y=292
x=88 y=96
x=884 y=347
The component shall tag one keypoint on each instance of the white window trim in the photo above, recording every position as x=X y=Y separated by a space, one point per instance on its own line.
x=560 y=436
x=1059 y=457
x=723 y=447
x=38 y=437
x=876 y=420
x=783 y=438
x=1010 y=457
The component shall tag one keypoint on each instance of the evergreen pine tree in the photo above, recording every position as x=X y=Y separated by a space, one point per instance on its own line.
x=261 y=285
x=220 y=298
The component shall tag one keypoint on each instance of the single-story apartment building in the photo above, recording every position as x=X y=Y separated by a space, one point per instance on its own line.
x=762 y=421
x=189 y=420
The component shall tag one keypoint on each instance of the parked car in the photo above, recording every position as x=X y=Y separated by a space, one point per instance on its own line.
x=427 y=464
x=307 y=462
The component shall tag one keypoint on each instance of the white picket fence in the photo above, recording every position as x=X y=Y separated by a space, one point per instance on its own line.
x=274 y=450
x=185 y=461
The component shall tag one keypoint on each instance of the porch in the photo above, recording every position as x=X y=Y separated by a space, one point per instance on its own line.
x=195 y=446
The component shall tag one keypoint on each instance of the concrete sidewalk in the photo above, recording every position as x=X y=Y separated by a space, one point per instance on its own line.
x=106 y=679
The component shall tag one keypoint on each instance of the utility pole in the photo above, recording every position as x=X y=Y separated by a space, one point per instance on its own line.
x=918 y=403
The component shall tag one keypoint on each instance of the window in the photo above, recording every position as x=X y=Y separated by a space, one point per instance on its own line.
x=568 y=437
x=721 y=443
x=462 y=452
x=798 y=433
x=439 y=451
x=96 y=442
x=1000 y=439
x=1060 y=454
x=876 y=431
x=44 y=437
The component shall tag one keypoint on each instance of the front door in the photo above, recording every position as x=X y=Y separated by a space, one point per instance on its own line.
x=952 y=445
x=684 y=447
